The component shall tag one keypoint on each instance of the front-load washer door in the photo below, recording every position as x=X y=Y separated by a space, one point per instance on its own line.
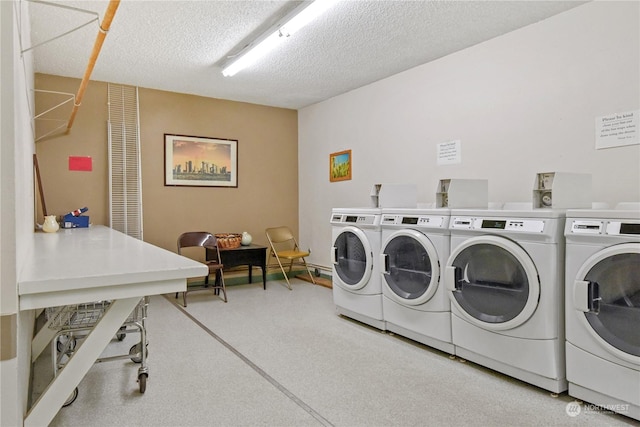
x=352 y=258
x=493 y=282
x=409 y=266
x=606 y=293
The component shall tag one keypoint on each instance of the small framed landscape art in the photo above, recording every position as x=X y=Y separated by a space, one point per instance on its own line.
x=195 y=161
x=340 y=166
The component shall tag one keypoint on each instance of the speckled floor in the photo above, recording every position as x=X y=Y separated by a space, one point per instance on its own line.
x=284 y=358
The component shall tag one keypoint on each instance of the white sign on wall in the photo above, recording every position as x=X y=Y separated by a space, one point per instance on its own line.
x=449 y=153
x=617 y=130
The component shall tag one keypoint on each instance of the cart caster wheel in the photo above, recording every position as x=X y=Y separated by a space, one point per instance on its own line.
x=122 y=334
x=142 y=380
x=60 y=345
x=71 y=398
x=136 y=353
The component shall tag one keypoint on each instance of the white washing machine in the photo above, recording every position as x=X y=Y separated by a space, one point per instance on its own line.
x=355 y=237
x=415 y=246
x=603 y=308
x=505 y=280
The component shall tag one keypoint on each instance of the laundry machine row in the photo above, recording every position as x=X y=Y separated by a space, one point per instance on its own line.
x=486 y=285
x=491 y=286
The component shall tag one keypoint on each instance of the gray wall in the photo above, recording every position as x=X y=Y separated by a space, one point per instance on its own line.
x=522 y=103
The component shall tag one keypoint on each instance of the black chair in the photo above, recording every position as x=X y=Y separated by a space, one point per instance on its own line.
x=206 y=241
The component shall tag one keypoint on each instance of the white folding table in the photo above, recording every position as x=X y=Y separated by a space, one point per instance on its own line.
x=83 y=265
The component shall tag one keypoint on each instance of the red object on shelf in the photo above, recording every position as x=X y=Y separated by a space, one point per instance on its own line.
x=79 y=163
x=78 y=212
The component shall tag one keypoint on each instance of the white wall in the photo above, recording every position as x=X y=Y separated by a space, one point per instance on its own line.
x=16 y=199
x=522 y=103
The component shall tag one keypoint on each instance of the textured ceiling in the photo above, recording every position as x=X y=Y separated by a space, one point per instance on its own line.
x=179 y=46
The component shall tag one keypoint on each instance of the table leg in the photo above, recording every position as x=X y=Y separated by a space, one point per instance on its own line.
x=42 y=339
x=48 y=405
x=264 y=276
x=250 y=273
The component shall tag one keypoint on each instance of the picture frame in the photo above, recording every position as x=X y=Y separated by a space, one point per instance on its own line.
x=340 y=166
x=196 y=161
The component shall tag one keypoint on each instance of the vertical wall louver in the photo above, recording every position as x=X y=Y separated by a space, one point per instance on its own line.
x=125 y=180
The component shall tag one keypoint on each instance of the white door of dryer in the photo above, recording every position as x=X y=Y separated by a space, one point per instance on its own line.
x=606 y=295
x=493 y=282
x=409 y=266
x=352 y=259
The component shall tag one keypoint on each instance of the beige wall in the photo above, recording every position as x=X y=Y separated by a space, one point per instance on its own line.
x=66 y=190
x=267 y=193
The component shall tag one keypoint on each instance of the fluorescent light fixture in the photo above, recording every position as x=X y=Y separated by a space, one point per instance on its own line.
x=298 y=18
x=252 y=55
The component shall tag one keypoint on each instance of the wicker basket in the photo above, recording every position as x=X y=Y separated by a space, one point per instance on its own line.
x=228 y=240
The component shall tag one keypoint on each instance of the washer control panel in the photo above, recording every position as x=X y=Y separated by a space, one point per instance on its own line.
x=587 y=227
x=612 y=228
x=516 y=224
x=408 y=221
x=362 y=219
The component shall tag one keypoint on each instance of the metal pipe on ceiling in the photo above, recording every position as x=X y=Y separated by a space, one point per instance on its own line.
x=102 y=33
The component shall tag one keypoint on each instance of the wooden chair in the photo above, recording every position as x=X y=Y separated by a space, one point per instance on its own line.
x=284 y=247
x=208 y=241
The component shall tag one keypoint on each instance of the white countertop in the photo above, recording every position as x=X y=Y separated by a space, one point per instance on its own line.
x=80 y=265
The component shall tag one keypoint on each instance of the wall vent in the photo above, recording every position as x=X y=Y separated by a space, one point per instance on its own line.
x=125 y=178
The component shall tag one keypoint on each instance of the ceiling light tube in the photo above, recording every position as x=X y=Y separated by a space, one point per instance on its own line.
x=295 y=20
x=252 y=55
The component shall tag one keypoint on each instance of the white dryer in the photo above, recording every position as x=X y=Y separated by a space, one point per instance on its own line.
x=415 y=246
x=603 y=308
x=505 y=280
x=356 y=279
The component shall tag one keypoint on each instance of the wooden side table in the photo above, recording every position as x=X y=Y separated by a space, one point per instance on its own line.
x=245 y=255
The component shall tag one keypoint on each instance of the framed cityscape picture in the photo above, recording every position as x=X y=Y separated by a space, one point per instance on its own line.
x=340 y=166
x=195 y=161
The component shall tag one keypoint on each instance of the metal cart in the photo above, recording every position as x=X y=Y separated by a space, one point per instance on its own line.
x=73 y=323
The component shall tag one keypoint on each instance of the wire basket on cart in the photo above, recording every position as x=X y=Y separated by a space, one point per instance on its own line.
x=74 y=322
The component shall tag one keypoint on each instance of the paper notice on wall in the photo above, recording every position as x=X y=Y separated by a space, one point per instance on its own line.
x=449 y=153
x=617 y=130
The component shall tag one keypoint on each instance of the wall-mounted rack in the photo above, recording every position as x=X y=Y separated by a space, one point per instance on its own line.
x=68 y=97
x=102 y=33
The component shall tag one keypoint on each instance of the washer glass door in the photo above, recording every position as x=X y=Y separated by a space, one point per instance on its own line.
x=409 y=264
x=612 y=288
x=352 y=258
x=493 y=281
